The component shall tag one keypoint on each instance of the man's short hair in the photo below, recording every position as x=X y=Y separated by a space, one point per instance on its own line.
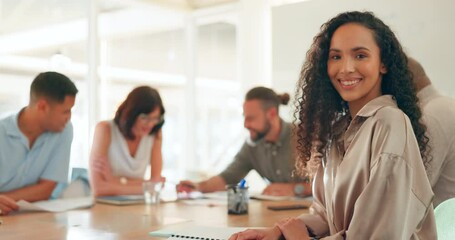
x=53 y=86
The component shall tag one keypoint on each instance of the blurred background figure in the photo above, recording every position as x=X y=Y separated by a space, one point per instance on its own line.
x=439 y=116
x=124 y=147
x=269 y=150
x=35 y=143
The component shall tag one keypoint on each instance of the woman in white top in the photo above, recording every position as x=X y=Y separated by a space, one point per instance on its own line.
x=124 y=147
x=358 y=111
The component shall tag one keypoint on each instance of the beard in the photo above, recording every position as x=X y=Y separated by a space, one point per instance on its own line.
x=260 y=134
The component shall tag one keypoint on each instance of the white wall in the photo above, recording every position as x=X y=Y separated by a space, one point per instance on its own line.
x=425 y=29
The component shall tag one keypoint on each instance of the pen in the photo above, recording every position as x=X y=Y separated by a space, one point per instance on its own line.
x=242 y=183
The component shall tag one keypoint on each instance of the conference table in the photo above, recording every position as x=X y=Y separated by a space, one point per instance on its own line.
x=103 y=221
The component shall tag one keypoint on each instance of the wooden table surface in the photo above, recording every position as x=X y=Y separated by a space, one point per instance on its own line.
x=134 y=221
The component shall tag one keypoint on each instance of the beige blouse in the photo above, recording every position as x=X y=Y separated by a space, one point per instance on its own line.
x=372 y=183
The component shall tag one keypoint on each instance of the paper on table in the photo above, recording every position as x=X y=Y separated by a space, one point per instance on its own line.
x=58 y=205
x=202 y=232
x=221 y=195
x=209 y=199
x=206 y=202
x=121 y=199
x=270 y=197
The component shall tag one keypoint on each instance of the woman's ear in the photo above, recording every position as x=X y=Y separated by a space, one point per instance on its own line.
x=383 y=69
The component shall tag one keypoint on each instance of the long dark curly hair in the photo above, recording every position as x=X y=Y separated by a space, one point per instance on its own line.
x=319 y=106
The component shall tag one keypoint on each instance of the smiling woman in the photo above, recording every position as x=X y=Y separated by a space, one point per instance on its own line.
x=369 y=132
x=124 y=147
x=354 y=65
x=366 y=133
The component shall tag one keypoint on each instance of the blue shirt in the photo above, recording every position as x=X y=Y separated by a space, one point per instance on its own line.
x=21 y=166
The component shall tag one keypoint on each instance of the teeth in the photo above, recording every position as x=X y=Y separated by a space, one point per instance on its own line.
x=349 y=83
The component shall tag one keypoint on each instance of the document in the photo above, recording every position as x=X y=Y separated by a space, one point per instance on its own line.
x=209 y=199
x=206 y=202
x=270 y=197
x=220 y=195
x=197 y=232
x=121 y=199
x=57 y=205
x=259 y=196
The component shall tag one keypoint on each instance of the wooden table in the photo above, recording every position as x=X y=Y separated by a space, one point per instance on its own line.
x=133 y=222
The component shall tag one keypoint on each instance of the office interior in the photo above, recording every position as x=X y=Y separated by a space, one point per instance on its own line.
x=202 y=56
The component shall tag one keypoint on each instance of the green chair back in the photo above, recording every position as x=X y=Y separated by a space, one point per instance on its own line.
x=445 y=219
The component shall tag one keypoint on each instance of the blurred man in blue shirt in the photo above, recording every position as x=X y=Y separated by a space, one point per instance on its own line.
x=35 y=143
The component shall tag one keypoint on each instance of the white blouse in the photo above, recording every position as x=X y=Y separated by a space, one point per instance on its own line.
x=122 y=163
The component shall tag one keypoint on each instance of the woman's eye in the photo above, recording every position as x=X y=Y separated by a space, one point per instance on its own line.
x=361 y=56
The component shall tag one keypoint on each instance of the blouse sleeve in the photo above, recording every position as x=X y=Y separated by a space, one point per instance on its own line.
x=397 y=198
x=394 y=202
x=390 y=206
x=316 y=221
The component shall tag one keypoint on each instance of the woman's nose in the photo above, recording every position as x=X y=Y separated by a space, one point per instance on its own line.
x=347 y=65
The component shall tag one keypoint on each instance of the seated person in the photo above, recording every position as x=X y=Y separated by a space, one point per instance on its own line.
x=438 y=112
x=270 y=151
x=370 y=183
x=35 y=143
x=124 y=147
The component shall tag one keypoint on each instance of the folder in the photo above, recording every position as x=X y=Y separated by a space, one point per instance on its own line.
x=121 y=199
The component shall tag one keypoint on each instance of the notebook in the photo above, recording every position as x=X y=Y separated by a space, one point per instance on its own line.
x=197 y=232
x=121 y=199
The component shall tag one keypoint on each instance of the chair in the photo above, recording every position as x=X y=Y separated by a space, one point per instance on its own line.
x=445 y=219
x=78 y=187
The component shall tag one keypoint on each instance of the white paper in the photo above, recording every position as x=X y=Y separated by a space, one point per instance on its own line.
x=206 y=202
x=58 y=205
x=270 y=197
x=215 y=233
x=221 y=195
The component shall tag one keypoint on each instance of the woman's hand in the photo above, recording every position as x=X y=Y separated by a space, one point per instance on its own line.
x=293 y=229
x=258 y=234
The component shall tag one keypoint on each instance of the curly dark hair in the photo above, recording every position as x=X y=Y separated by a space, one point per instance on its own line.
x=316 y=116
